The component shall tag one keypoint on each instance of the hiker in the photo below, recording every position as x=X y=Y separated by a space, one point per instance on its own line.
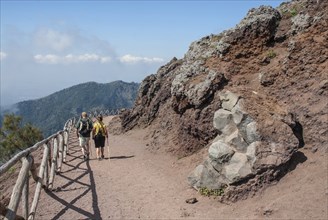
x=99 y=135
x=83 y=130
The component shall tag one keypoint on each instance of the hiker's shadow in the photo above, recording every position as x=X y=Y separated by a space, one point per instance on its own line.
x=120 y=157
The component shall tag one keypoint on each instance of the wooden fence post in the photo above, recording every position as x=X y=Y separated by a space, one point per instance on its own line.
x=18 y=188
x=43 y=168
x=25 y=198
x=60 y=151
x=46 y=151
x=33 y=171
x=65 y=145
x=74 y=122
x=53 y=164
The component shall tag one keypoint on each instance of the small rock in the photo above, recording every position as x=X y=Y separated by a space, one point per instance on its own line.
x=191 y=200
x=265 y=61
x=315 y=149
x=267 y=212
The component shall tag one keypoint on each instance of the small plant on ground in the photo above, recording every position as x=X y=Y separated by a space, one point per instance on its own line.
x=271 y=54
x=211 y=192
x=216 y=38
x=293 y=12
x=12 y=170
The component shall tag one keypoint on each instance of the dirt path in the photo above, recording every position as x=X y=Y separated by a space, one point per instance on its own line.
x=134 y=183
x=137 y=184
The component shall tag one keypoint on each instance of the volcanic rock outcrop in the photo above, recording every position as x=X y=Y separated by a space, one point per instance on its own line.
x=265 y=84
x=240 y=152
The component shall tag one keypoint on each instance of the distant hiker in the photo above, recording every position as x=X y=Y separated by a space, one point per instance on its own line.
x=100 y=134
x=83 y=130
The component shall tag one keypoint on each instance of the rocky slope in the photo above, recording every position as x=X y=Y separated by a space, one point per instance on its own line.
x=253 y=94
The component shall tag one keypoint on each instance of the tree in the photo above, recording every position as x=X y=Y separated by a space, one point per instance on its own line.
x=14 y=136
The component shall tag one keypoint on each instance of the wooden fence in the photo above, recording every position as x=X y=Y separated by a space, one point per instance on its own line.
x=55 y=150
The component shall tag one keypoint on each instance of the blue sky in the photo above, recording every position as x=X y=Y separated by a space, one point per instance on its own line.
x=50 y=45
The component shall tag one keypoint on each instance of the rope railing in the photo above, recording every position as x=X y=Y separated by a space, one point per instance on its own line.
x=54 y=154
x=55 y=149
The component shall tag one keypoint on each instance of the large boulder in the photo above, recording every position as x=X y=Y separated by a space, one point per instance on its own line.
x=194 y=86
x=241 y=151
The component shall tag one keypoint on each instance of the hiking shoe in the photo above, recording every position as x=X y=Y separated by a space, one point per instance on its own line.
x=84 y=157
x=102 y=156
x=99 y=158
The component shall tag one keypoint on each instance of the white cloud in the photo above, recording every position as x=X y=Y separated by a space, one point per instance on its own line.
x=92 y=57
x=134 y=59
x=3 y=55
x=70 y=58
x=48 y=38
x=49 y=58
x=88 y=57
x=105 y=59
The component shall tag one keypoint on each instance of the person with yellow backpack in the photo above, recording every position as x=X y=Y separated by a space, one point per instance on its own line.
x=99 y=135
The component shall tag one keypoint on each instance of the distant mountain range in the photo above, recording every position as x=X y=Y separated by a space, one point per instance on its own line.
x=51 y=112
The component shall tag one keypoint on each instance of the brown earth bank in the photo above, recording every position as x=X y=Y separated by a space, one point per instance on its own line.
x=275 y=62
x=134 y=183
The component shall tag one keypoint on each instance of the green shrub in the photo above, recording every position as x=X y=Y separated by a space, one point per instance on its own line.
x=271 y=54
x=14 y=136
x=216 y=38
x=12 y=170
x=211 y=192
x=293 y=12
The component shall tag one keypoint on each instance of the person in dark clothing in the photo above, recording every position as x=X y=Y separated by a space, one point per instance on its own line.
x=83 y=129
